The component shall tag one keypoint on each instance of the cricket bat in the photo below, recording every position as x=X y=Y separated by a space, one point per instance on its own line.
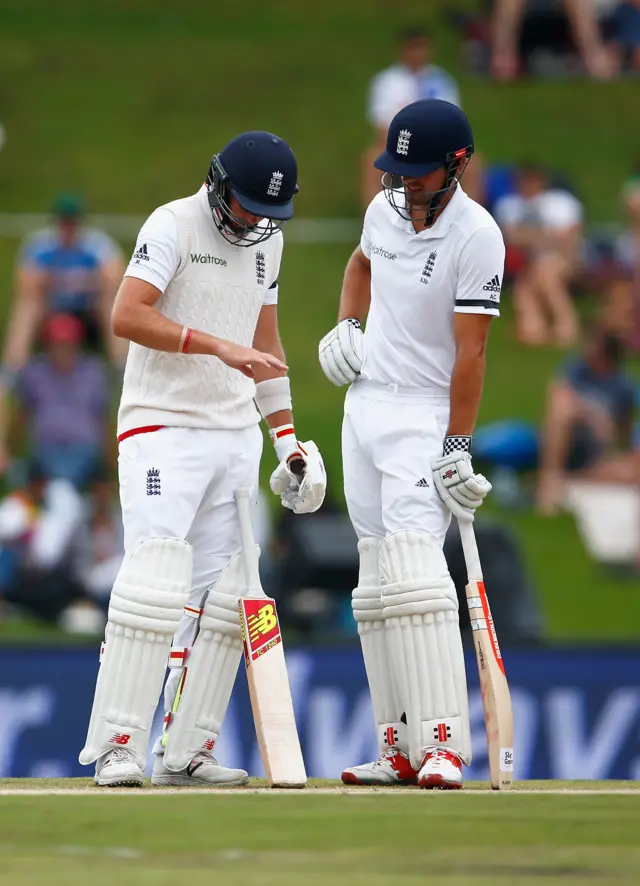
x=496 y=700
x=266 y=668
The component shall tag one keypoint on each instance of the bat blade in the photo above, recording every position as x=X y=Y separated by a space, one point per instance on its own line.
x=496 y=699
x=270 y=693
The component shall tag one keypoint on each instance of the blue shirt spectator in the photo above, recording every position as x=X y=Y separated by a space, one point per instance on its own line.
x=613 y=391
x=67 y=268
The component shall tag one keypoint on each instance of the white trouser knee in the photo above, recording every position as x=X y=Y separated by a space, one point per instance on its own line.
x=146 y=605
x=203 y=692
x=367 y=611
x=420 y=610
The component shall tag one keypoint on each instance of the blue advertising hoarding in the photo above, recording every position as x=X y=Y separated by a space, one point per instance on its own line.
x=577 y=713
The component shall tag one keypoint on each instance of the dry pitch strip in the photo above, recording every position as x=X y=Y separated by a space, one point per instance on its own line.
x=319 y=787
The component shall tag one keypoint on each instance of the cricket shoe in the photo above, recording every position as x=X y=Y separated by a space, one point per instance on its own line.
x=204 y=770
x=391 y=768
x=118 y=769
x=441 y=769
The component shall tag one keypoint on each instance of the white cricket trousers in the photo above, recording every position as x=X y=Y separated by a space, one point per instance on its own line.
x=390 y=435
x=180 y=483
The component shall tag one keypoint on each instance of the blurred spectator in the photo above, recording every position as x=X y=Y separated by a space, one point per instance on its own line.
x=62 y=403
x=625 y=35
x=413 y=77
x=623 y=300
x=70 y=269
x=588 y=425
x=38 y=530
x=542 y=227
x=100 y=546
x=535 y=34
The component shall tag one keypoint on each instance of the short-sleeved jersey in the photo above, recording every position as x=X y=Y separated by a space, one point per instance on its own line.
x=418 y=281
x=72 y=270
x=398 y=86
x=156 y=257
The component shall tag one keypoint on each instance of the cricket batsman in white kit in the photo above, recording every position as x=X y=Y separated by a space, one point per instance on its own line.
x=427 y=277
x=198 y=303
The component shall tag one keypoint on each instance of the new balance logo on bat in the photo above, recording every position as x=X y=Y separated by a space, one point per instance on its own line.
x=492 y=286
x=141 y=254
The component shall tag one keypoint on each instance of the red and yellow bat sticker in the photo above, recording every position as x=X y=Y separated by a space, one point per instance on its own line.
x=260 y=626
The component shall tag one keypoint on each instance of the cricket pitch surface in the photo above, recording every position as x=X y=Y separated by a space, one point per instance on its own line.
x=63 y=831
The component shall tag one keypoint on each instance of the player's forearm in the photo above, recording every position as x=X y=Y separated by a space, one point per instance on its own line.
x=356 y=288
x=466 y=393
x=146 y=326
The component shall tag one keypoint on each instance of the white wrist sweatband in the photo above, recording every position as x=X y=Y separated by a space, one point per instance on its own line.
x=273 y=395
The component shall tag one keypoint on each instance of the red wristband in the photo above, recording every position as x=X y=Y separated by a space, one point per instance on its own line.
x=187 y=341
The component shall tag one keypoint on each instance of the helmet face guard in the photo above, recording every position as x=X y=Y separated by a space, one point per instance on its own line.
x=432 y=201
x=235 y=229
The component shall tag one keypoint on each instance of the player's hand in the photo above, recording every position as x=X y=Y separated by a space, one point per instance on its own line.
x=341 y=352
x=460 y=489
x=245 y=359
x=300 y=479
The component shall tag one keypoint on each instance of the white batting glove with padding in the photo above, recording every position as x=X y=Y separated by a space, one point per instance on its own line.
x=460 y=489
x=300 y=479
x=341 y=352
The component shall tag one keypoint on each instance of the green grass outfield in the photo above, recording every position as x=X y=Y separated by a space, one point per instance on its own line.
x=582 y=833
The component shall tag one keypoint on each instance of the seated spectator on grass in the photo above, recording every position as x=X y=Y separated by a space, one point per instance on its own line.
x=623 y=297
x=588 y=424
x=100 y=543
x=542 y=228
x=68 y=268
x=541 y=36
x=39 y=525
x=413 y=77
x=61 y=405
x=625 y=35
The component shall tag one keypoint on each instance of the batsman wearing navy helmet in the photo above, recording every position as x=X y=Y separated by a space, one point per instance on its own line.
x=426 y=276
x=198 y=305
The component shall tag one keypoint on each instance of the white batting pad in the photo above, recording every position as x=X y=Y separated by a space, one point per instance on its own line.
x=211 y=669
x=420 y=609
x=366 y=603
x=146 y=605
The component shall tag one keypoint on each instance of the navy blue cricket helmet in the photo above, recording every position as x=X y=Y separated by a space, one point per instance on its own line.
x=424 y=136
x=259 y=169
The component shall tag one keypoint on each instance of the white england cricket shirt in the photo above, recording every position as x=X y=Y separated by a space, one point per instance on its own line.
x=213 y=286
x=418 y=281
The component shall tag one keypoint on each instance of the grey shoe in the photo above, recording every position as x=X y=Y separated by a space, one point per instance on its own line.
x=204 y=770
x=118 y=769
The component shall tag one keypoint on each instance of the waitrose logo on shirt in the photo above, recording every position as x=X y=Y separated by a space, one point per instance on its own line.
x=206 y=259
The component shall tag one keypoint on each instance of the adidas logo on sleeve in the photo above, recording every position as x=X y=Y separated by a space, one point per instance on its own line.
x=141 y=254
x=493 y=285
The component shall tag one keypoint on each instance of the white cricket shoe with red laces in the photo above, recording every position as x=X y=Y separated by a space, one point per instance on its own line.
x=441 y=769
x=391 y=768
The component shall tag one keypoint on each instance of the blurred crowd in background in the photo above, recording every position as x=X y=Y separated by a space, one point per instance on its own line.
x=60 y=530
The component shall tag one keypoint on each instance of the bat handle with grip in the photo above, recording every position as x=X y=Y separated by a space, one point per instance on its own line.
x=470 y=550
x=249 y=549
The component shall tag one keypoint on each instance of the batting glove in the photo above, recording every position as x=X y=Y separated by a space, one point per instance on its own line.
x=341 y=352
x=459 y=488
